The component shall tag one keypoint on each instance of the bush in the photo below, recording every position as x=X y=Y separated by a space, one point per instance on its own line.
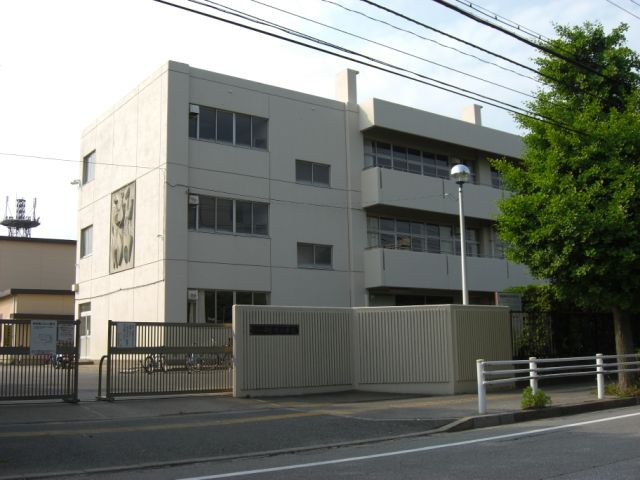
x=614 y=389
x=534 y=400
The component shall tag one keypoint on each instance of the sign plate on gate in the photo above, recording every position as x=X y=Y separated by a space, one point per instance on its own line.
x=43 y=337
x=255 y=329
x=126 y=335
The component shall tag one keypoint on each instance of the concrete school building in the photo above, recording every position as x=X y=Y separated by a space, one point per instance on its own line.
x=201 y=190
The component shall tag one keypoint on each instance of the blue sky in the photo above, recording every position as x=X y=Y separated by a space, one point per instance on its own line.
x=62 y=64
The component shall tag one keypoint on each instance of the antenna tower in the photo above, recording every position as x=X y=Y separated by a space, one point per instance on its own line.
x=21 y=225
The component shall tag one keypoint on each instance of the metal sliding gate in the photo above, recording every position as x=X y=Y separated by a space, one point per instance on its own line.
x=166 y=358
x=39 y=359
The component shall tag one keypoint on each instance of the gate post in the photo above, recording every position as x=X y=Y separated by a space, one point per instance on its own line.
x=600 y=375
x=76 y=363
x=533 y=375
x=107 y=393
x=482 y=389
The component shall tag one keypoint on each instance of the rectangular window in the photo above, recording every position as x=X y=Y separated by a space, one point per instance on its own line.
x=84 y=312
x=224 y=130
x=218 y=304
x=309 y=173
x=496 y=179
x=314 y=256
x=243 y=130
x=206 y=123
x=86 y=241
x=228 y=215
x=89 y=167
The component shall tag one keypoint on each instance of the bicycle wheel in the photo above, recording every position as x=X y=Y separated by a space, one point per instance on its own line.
x=148 y=364
x=162 y=365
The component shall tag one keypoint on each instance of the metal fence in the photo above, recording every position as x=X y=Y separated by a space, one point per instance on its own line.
x=598 y=366
x=166 y=358
x=39 y=359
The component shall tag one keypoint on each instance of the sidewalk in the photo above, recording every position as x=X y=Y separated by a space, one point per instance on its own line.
x=437 y=413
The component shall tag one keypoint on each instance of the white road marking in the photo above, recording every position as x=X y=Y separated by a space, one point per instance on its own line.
x=413 y=450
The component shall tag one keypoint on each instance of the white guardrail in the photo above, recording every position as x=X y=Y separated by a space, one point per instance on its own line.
x=599 y=366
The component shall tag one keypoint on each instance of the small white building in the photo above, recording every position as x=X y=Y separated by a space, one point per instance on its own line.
x=201 y=190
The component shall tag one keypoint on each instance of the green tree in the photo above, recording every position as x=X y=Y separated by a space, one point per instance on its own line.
x=574 y=216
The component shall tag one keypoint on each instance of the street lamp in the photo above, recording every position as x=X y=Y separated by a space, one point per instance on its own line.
x=460 y=174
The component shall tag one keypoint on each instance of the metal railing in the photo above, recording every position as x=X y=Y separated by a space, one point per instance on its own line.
x=39 y=359
x=598 y=366
x=166 y=359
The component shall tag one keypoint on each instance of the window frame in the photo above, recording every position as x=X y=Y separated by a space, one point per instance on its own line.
x=86 y=242
x=195 y=211
x=195 y=131
x=314 y=167
x=315 y=264
x=89 y=172
x=216 y=293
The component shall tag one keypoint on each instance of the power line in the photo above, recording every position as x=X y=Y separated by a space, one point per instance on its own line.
x=505 y=21
x=624 y=9
x=475 y=96
x=252 y=18
x=392 y=48
x=458 y=39
x=37 y=157
x=539 y=46
x=417 y=35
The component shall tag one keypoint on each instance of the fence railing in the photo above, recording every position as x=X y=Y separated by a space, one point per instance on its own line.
x=166 y=358
x=39 y=359
x=598 y=366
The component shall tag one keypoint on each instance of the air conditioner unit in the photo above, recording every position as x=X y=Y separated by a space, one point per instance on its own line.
x=194 y=200
x=194 y=109
x=192 y=295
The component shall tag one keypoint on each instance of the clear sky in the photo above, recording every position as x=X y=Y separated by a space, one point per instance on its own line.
x=64 y=63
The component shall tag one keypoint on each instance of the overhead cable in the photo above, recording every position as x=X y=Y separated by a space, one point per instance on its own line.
x=623 y=9
x=390 y=48
x=458 y=39
x=537 y=45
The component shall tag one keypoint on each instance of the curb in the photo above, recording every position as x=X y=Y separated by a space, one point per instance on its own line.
x=494 y=420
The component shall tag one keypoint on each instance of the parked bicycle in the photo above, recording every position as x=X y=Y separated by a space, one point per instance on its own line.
x=154 y=363
x=61 y=360
x=212 y=361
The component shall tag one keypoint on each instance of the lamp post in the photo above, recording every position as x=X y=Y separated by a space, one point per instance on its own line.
x=460 y=174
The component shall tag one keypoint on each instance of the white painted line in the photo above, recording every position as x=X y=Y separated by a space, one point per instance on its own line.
x=413 y=450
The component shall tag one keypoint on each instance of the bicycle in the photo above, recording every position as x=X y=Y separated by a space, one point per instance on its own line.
x=154 y=363
x=60 y=360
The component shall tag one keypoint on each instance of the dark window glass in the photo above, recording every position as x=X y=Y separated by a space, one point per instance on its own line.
x=210 y=306
x=260 y=298
x=193 y=125
x=304 y=172
x=224 y=215
x=260 y=219
x=305 y=254
x=259 y=132
x=244 y=298
x=323 y=255
x=243 y=217
x=383 y=155
x=321 y=175
x=86 y=241
x=89 y=167
x=387 y=225
x=387 y=240
x=399 y=158
x=191 y=217
x=207 y=209
x=224 y=306
x=243 y=130
x=414 y=161
x=207 y=120
x=225 y=127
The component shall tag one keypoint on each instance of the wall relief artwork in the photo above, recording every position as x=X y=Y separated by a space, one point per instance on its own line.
x=123 y=209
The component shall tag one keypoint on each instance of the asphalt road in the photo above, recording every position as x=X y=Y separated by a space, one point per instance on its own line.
x=602 y=445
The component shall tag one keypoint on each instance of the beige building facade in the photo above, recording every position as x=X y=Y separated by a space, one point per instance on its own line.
x=200 y=191
x=36 y=278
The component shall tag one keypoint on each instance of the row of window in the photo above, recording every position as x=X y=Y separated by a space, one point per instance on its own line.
x=397 y=157
x=231 y=128
x=420 y=237
x=218 y=304
x=225 y=215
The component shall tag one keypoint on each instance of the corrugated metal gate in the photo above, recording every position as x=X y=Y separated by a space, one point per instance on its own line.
x=39 y=359
x=166 y=358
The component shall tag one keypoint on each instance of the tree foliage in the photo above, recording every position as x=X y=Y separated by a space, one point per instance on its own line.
x=574 y=216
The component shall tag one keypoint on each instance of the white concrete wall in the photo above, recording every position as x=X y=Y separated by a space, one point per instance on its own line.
x=421 y=349
x=129 y=141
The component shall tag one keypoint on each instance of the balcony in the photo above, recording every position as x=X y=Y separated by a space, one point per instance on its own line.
x=382 y=186
x=407 y=269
